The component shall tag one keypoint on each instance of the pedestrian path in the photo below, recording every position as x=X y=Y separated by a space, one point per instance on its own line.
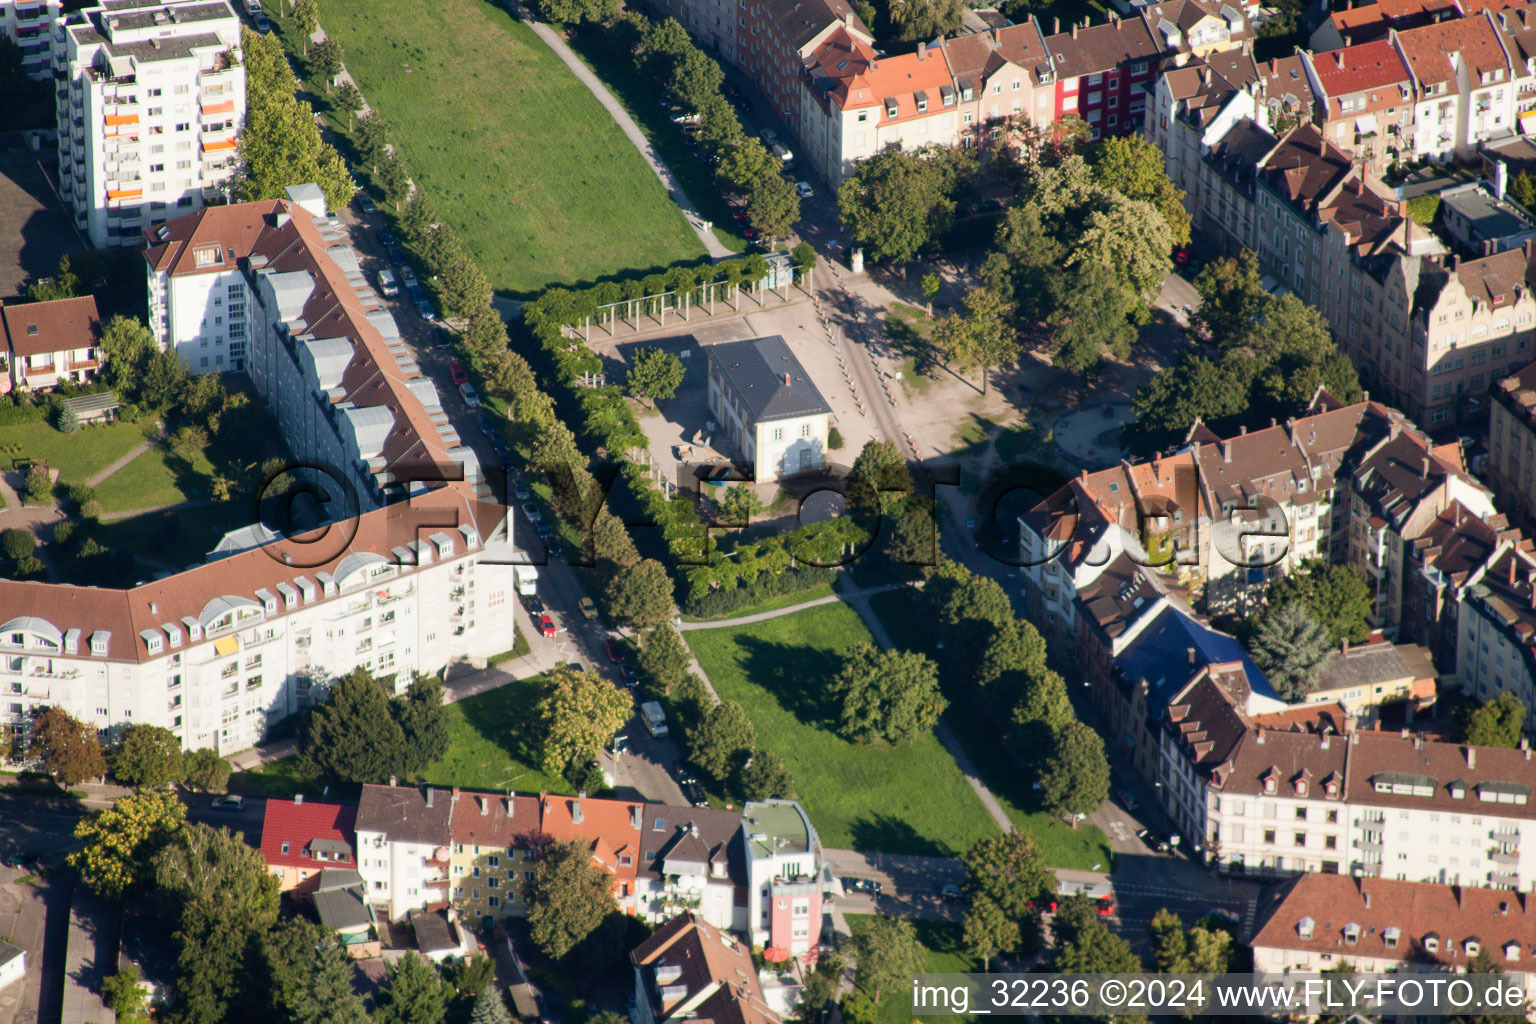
x=747 y=620
x=115 y=465
x=176 y=506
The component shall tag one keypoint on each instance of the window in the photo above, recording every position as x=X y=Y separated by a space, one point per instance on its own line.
x=778 y=433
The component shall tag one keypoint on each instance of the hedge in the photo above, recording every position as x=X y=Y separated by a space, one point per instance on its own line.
x=716 y=603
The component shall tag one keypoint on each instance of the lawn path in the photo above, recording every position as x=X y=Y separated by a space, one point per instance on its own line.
x=139 y=449
x=859 y=601
x=179 y=506
x=747 y=620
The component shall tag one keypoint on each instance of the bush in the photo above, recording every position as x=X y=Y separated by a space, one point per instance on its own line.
x=91 y=509
x=17 y=543
x=730 y=599
x=39 y=490
x=11 y=415
x=62 y=532
x=29 y=565
x=79 y=494
x=834 y=439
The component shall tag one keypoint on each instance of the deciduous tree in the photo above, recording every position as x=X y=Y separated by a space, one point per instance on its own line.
x=1231 y=299
x=568 y=898
x=1199 y=950
x=150 y=756
x=577 y=715
x=989 y=932
x=423 y=722
x=1336 y=595
x=306 y=18
x=1075 y=779
x=63 y=284
x=17 y=543
x=1092 y=317
x=767 y=776
x=982 y=339
x=879 y=475
x=740 y=504
x=1008 y=870
x=654 y=375
x=897 y=203
x=663 y=658
x=124 y=995
x=640 y=595
x=1498 y=722
x=887 y=954
x=891 y=695
x=204 y=865
x=121 y=841
x=69 y=748
x=1133 y=166
x=722 y=740
x=326 y=62
x=205 y=770
x=920 y=20
x=348 y=100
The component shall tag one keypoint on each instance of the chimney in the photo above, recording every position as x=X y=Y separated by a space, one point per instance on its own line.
x=1327 y=740
x=1424 y=467
x=281 y=218
x=786 y=376
x=1343 y=645
x=1455 y=263
x=1055 y=26
x=485 y=805
x=1226 y=451
x=1243 y=430
x=153 y=608
x=1191 y=652
x=429 y=796
x=1365 y=896
x=1471 y=755
x=1258 y=734
x=1530 y=250
x=392 y=781
x=1074 y=30
x=510 y=804
x=577 y=817
x=1511 y=570
x=634 y=816
x=922 y=55
x=298 y=798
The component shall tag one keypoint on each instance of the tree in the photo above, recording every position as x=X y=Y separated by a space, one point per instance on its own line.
x=1075 y=780
x=989 y=932
x=349 y=100
x=1200 y=950
x=306 y=18
x=887 y=953
x=281 y=143
x=353 y=737
x=204 y=865
x=821 y=989
x=39 y=486
x=413 y=993
x=654 y=375
x=423 y=722
x=804 y=255
x=1133 y=166
x=165 y=377
x=1336 y=595
x=1498 y=722
x=372 y=139
x=214 y=952
x=17 y=543
x=126 y=346
x=1084 y=943
x=326 y=62
x=470 y=977
x=1092 y=316
x=64 y=284
x=309 y=975
x=1292 y=649
x=1193 y=388
x=722 y=741
x=773 y=204
x=930 y=284
x=69 y=748
x=663 y=658
x=640 y=595
x=205 y=770
x=980 y=340
x=897 y=203
x=878 y=475
x=695 y=79
x=1231 y=299
x=69 y=420
x=490 y=1008
x=1008 y=870
x=150 y=757
x=577 y=715
x=924 y=19
x=1131 y=238
x=740 y=504
x=121 y=841
x=188 y=442
x=891 y=695
x=767 y=776
x=568 y=898
x=124 y=996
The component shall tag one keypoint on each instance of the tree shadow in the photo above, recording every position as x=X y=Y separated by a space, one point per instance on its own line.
x=889 y=834
x=798 y=677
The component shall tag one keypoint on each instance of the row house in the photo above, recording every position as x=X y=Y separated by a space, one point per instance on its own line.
x=774 y=38
x=690 y=971
x=1374 y=925
x=403 y=848
x=1198 y=28
x=30 y=25
x=1369 y=23
x=786 y=878
x=1511 y=464
x=1103 y=73
x=1264 y=800
x=48 y=343
x=1365 y=101
x=1496 y=634
x=1440 y=562
x=1464 y=88
x=301 y=840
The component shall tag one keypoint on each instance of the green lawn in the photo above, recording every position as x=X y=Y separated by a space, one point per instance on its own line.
x=516 y=154
x=943 y=953
x=772 y=604
x=153 y=479
x=487 y=747
x=906 y=799
x=1085 y=847
x=76 y=456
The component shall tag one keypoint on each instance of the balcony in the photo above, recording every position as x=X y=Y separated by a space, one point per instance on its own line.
x=1505 y=880
x=231 y=690
x=1508 y=857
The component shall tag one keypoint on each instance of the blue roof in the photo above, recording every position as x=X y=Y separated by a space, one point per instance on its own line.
x=1160 y=655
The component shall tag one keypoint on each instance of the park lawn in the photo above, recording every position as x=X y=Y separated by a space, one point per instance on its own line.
x=772 y=604
x=153 y=479
x=516 y=154
x=77 y=456
x=1084 y=848
x=943 y=953
x=488 y=748
x=906 y=799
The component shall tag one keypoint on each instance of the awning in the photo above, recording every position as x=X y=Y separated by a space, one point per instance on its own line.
x=226 y=645
x=1528 y=122
x=1366 y=125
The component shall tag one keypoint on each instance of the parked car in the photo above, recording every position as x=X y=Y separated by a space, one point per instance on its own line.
x=952 y=893
x=684 y=776
x=546 y=625
x=408 y=276
x=442 y=338
x=770 y=137
x=587 y=607
x=456 y=373
x=487 y=425
x=533 y=604
x=1152 y=840
x=1128 y=799
x=868 y=885
x=229 y=803
x=387 y=283
x=695 y=794
x=366 y=204
x=387 y=237
x=262 y=24
x=805 y=190
x=521 y=490
x=614 y=650
x=532 y=512
x=545 y=531
x=425 y=309
x=750 y=232
x=416 y=291
x=470 y=395
x=686 y=118
x=396 y=254
x=740 y=215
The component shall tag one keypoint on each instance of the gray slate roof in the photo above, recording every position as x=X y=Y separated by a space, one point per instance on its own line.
x=342 y=909
x=756 y=369
x=402 y=814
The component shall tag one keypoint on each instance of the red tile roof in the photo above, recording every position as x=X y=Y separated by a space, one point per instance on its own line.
x=224 y=233
x=298 y=824
x=1361 y=68
x=703 y=958
x=1430 y=50
x=610 y=829
x=38 y=328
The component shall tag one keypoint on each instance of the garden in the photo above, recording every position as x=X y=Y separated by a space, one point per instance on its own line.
x=909 y=798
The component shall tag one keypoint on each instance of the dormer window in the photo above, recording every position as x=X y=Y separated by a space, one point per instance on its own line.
x=1301 y=787
x=101 y=641
x=1351 y=933
x=1304 y=927
x=285 y=847
x=1432 y=943
x=1269 y=783
x=1391 y=936
x=1473 y=947
x=1512 y=951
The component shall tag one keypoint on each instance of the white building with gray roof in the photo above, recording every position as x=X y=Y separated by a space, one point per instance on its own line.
x=767 y=406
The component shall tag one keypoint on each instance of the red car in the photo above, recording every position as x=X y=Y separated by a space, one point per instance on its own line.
x=456 y=371
x=750 y=232
x=614 y=650
x=740 y=215
x=546 y=625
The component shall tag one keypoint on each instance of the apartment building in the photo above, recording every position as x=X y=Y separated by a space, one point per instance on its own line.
x=30 y=25
x=1463 y=82
x=689 y=970
x=403 y=848
x=1321 y=923
x=1007 y=72
x=1368 y=23
x=693 y=859
x=1102 y=73
x=786 y=878
x=1511 y=465
x=1366 y=101
x=150 y=100
x=1440 y=562
x=1198 y=28
x=47 y=343
x=773 y=39
x=1496 y=634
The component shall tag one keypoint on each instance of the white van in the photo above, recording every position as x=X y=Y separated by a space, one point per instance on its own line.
x=387 y=283
x=655 y=718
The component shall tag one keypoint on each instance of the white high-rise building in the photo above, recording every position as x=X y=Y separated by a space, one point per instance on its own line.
x=29 y=24
x=152 y=96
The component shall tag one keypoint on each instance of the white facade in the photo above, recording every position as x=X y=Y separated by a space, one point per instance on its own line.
x=30 y=25
x=13 y=963
x=402 y=876
x=150 y=101
x=203 y=317
x=790 y=446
